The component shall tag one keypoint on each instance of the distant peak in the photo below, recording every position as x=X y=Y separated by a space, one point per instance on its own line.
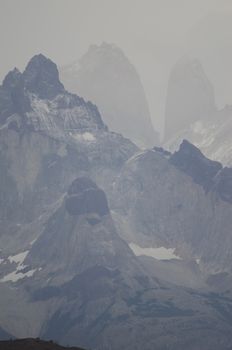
x=105 y=46
x=106 y=50
x=42 y=78
x=109 y=46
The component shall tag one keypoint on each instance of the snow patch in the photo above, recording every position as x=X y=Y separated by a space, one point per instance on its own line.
x=40 y=105
x=18 y=258
x=17 y=274
x=160 y=253
x=86 y=136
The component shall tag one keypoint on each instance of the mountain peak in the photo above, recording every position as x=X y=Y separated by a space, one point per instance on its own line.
x=41 y=77
x=188 y=147
x=105 y=47
x=191 y=160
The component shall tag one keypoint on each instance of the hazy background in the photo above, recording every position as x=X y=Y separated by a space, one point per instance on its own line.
x=154 y=34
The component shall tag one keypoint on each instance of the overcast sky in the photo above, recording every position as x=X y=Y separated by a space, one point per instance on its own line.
x=154 y=34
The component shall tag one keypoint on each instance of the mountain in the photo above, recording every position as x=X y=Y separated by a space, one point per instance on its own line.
x=104 y=246
x=190 y=97
x=48 y=138
x=105 y=76
x=86 y=286
x=179 y=202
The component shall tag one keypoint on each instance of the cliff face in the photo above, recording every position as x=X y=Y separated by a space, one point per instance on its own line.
x=190 y=97
x=106 y=77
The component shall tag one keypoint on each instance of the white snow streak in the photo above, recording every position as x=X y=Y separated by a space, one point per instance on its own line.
x=160 y=253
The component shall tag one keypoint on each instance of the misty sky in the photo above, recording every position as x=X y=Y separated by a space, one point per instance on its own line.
x=154 y=34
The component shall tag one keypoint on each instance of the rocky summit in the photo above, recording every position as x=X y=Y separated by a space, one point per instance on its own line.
x=42 y=78
x=190 y=160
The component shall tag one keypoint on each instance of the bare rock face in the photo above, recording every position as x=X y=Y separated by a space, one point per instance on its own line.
x=190 y=160
x=42 y=78
x=190 y=97
x=106 y=77
x=84 y=197
x=211 y=136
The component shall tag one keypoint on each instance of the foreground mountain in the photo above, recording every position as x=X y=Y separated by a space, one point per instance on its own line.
x=86 y=286
x=32 y=344
x=190 y=97
x=105 y=76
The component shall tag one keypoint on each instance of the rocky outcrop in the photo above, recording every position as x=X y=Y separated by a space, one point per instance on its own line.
x=84 y=197
x=106 y=77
